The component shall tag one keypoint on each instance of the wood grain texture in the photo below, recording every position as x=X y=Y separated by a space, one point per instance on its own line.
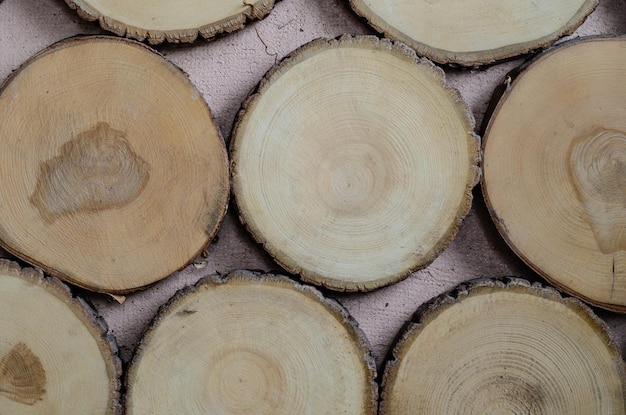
x=472 y=33
x=180 y=22
x=56 y=355
x=252 y=343
x=22 y=376
x=114 y=172
x=353 y=163
x=554 y=163
x=224 y=70
x=500 y=347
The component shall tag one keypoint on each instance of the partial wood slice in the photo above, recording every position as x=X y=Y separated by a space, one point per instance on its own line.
x=504 y=347
x=252 y=343
x=554 y=168
x=56 y=356
x=472 y=33
x=161 y=20
x=113 y=172
x=353 y=163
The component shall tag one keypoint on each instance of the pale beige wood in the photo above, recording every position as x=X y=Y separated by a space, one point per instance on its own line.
x=176 y=22
x=55 y=354
x=113 y=172
x=474 y=32
x=252 y=343
x=504 y=347
x=554 y=163
x=353 y=163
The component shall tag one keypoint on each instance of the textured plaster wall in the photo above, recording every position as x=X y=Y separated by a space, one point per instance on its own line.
x=225 y=70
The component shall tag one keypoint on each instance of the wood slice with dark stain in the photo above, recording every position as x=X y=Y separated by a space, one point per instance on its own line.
x=120 y=176
x=555 y=168
x=56 y=355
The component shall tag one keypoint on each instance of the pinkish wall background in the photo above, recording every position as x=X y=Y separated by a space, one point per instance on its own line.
x=225 y=70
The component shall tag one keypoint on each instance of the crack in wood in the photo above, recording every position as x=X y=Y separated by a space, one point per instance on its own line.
x=613 y=278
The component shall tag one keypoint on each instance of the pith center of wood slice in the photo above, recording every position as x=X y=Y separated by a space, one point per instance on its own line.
x=504 y=347
x=555 y=168
x=113 y=171
x=353 y=163
x=161 y=20
x=474 y=32
x=55 y=354
x=252 y=344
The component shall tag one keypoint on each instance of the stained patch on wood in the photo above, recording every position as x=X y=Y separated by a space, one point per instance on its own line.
x=95 y=171
x=22 y=376
x=598 y=169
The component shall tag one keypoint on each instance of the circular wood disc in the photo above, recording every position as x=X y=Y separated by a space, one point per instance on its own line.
x=554 y=168
x=180 y=21
x=504 y=348
x=55 y=354
x=113 y=172
x=252 y=344
x=474 y=32
x=353 y=164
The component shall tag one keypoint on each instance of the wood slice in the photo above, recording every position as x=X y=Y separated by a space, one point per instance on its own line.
x=353 y=163
x=113 y=172
x=474 y=32
x=252 y=344
x=554 y=168
x=55 y=354
x=175 y=22
x=507 y=347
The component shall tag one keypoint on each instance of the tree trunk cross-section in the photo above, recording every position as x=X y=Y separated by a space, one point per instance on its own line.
x=555 y=168
x=252 y=344
x=504 y=347
x=353 y=163
x=176 y=22
x=55 y=354
x=113 y=172
x=474 y=32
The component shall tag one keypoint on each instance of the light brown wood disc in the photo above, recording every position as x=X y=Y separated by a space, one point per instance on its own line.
x=504 y=348
x=55 y=354
x=113 y=172
x=353 y=163
x=474 y=32
x=555 y=168
x=252 y=344
x=180 y=21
